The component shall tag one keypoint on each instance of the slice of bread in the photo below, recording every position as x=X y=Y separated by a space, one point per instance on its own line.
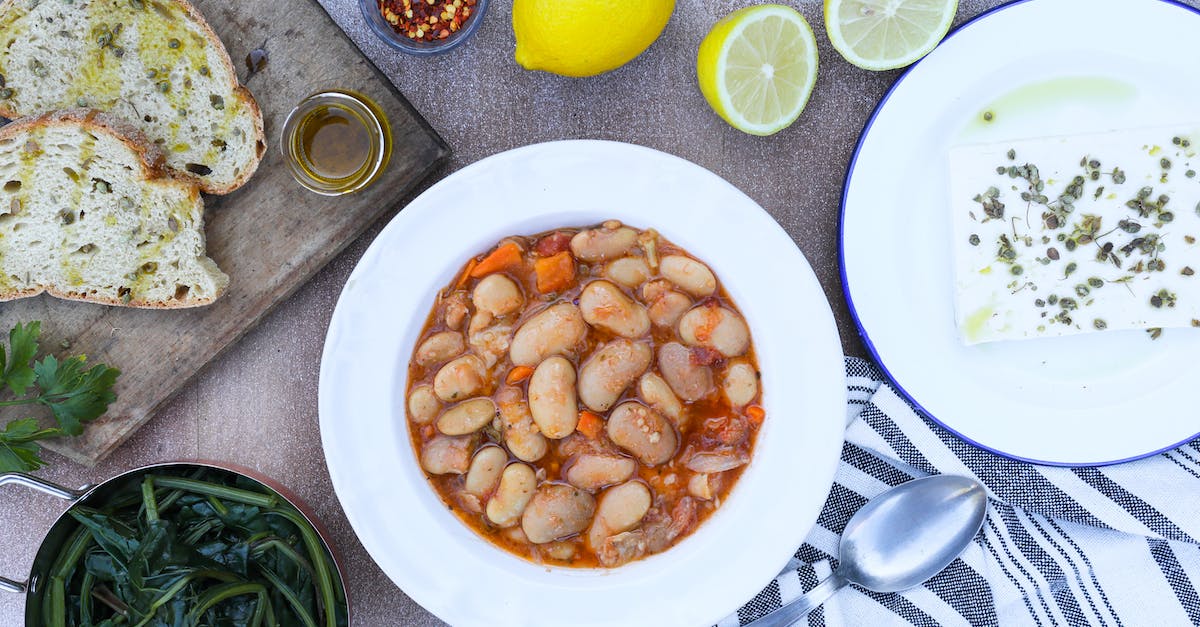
x=155 y=63
x=85 y=214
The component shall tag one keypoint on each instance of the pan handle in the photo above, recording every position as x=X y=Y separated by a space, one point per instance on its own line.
x=45 y=487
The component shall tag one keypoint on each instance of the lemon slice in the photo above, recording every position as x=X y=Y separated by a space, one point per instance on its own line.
x=757 y=68
x=887 y=34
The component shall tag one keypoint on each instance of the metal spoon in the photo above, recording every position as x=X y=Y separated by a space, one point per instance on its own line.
x=898 y=540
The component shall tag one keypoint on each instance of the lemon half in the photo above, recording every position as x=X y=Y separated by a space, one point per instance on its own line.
x=887 y=34
x=586 y=37
x=757 y=68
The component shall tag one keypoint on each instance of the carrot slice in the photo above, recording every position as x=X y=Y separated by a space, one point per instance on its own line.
x=556 y=273
x=506 y=256
x=466 y=275
x=590 y=424
x=756 y=414
x=518 y=374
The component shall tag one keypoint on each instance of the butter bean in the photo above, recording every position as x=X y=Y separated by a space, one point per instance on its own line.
x=485 y=470
x=692 y=276
x=606 y=242
x=594 y=471
x=467 y=417
x=552 y=398
x=665 y=305
x=643 y=432
x=444 y=455
x=740 y=384
x=497 y=295
x=628 y=271
x=423 y=404
x=556 y=511
x=620 y=509
x=520 y=432
x=459 y=379
x=604 y=305
x=555 y=330
x=610 y=370
x=440 y=348
x=690 y=381
x=657 y=394
x=717 y=328
x=517 y=484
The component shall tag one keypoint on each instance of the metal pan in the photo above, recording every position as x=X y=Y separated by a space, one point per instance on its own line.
x=95 y=496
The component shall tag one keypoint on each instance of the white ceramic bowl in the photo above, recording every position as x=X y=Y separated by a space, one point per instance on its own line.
x=440 y=562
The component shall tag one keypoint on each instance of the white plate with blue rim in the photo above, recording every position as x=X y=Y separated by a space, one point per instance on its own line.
x=399 y=518
x=1037 y=68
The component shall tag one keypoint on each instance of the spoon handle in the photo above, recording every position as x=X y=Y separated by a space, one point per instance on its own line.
x=802 y=605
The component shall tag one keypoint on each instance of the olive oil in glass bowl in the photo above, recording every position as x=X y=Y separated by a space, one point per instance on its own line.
x=336 y=142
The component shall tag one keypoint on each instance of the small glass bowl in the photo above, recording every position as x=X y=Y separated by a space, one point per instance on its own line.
x=357 y=107
x=374 y=17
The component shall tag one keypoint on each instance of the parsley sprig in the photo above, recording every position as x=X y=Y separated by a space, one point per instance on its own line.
x=74 y=394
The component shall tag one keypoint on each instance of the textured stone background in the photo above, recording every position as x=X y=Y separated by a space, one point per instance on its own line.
x=257 y=405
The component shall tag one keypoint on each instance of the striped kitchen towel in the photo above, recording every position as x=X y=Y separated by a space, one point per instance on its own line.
x=1061 y=546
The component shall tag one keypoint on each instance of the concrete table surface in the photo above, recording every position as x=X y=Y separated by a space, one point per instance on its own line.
x=257 y=405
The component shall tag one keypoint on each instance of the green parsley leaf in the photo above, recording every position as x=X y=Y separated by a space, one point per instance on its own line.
x=18 y=445
x=23 y=346
x=75 y=395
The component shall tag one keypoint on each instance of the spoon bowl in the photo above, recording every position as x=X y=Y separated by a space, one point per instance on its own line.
x=898 y=540
x=938 y=517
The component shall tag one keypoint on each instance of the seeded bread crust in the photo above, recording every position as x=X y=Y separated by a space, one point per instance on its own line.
x=240 y=92
x=152 y=173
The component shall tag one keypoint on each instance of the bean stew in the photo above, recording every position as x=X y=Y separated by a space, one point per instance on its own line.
x=584 y=397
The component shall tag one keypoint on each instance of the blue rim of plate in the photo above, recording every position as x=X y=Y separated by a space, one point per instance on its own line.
x=862 y=331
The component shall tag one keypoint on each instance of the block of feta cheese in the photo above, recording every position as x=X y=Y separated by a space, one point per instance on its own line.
x=1076 y=234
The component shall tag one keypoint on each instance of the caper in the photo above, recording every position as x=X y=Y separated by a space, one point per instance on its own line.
x=218 y=102
x=173 y=44
x=6 y=93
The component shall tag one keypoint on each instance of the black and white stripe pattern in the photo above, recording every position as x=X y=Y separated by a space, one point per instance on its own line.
x=1084 y=546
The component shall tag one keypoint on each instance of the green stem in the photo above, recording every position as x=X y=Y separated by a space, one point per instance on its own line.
x=148 y=500
x=316 y=554
x=289 y=595
x=222 y=492
x=285 y=548
x=260 y=610
x=54 y=603
x=174 y=589
x=85 y=600
x=218 y=506
x=19 y=401
x=216 y=594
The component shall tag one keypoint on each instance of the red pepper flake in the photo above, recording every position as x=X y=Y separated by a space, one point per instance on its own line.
x=426 y=20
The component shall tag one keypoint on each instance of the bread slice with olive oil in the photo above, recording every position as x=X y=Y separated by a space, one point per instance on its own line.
x=154 y=63
x=86 y=214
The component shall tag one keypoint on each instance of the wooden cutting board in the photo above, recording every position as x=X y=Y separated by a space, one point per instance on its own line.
x=271 y=236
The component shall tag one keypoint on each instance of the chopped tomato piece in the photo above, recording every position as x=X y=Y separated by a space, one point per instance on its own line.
x=552 y=244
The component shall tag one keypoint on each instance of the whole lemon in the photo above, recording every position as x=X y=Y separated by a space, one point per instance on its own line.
x=586 y=37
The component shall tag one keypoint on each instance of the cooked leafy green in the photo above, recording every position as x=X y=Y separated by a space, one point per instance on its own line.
x=208 y=549
x=73 y=393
